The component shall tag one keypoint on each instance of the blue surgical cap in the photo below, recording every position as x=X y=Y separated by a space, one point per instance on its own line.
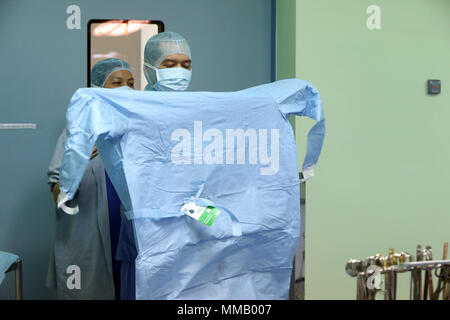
x=159 y=47
x=104 y=68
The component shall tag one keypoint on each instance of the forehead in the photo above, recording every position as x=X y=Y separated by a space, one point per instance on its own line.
x=177 y=57
x=124 y=74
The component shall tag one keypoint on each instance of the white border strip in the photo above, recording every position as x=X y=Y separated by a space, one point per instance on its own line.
x=18 y=126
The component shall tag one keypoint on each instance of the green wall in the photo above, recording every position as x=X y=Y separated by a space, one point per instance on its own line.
x=383 y=179
x=285 y=41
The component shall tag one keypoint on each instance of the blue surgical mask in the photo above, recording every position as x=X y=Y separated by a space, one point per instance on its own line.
x=124 y=87
x=171 y=79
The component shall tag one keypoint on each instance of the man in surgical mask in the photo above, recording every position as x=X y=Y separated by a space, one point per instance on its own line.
x=167 y=67
x=167 y=62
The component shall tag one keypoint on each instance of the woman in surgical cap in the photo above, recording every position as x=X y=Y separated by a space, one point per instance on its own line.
x=112 y=73
x=86 y=243
x=167 y=62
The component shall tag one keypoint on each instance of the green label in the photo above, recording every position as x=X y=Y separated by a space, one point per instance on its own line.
x=206 y=215
x=209 y=215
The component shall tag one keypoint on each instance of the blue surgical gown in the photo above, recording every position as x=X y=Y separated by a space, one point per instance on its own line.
x=166 y=149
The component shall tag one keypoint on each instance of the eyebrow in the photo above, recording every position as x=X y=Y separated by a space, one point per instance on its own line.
x=120 y=78
x=175 y=61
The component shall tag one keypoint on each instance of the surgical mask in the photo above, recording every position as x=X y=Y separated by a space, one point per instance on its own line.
x=124 y=87
x=121 y=87
x=171 y=79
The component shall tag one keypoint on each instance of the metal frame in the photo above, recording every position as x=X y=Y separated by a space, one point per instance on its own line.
x=159 y=23
x=299 y=258
x=18 y=279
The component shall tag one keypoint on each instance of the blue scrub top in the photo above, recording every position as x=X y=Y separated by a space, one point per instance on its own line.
x=123 y=245
x=123 y=248
x=114 y=222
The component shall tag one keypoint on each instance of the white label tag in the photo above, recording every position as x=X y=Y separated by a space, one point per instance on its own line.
x=193 y=210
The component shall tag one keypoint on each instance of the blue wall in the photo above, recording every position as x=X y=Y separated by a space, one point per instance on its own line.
x=43 y=63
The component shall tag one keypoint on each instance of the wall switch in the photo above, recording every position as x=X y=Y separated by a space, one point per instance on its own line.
x=434 y=86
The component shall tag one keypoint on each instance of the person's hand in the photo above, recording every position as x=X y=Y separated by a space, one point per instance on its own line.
x=56 y=192
x=94 y=153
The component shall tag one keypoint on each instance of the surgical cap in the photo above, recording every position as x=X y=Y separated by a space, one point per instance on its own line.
x=159 y=47
x=104 y=68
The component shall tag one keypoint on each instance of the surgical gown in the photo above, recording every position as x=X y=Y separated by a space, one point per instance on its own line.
x=163 y=150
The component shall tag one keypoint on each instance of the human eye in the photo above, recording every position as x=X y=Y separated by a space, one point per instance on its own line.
x=169 y=63
x=186 y=65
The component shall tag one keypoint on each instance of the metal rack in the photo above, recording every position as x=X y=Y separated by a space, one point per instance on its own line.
x=370 y=272
x=297 y=286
